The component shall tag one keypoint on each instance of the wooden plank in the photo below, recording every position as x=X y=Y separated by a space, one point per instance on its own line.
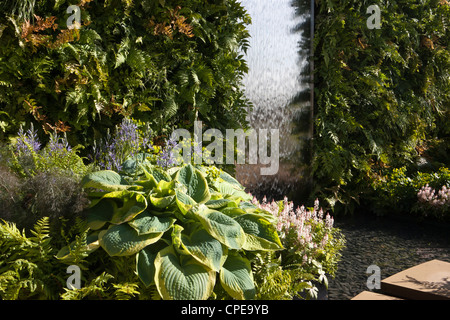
x=368 y=295
x=427 y=281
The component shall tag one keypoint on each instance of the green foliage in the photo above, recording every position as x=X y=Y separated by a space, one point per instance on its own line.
x=188 y=230
x=41 y=182
x=28 y=159
x=398 y=190
x=154 y=60
x=312 y=250
x=27 y=265
x=379 y=93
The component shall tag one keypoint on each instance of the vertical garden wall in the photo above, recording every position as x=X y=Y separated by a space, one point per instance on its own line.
x=382 y=95
x=164 y=62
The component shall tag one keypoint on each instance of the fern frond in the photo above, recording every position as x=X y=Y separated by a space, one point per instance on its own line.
x=9 y=231
x=41 y=229
x=125 y=291
x=96 y=288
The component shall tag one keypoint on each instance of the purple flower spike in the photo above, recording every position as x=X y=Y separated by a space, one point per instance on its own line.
x=27 y=140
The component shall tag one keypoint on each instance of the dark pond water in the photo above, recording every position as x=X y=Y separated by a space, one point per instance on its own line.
x=393 y=244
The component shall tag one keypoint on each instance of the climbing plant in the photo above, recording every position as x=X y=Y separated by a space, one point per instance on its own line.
x=382 y=94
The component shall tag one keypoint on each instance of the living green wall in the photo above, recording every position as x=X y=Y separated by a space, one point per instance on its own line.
x=166 y=62
x=382 y=95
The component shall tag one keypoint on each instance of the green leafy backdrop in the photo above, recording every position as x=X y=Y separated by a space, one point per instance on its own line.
x=382 y=95
x=165 y=62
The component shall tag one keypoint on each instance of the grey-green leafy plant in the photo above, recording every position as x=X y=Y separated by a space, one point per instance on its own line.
x=189 y=229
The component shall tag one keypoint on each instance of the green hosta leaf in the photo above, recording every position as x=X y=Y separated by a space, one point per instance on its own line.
x=231 y=180
x=222 y=227
x=133 y=165
x=115 y=207
x=260 y=233
x=229 y=189
x=184 y=202
x=181 y=277
x=195 y=183
x=204 y=248
x=221 y=203
x=236 y=278
x=162 y=202
x=106 y=180
x=156 y=173
x=146 y=223
x=145 y=263
x=123 y=240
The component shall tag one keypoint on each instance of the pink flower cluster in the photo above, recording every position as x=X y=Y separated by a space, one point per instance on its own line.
x=300 y=223
x=428 y=195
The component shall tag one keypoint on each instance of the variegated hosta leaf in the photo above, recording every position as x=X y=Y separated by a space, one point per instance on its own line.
x=184 y=202
x=181 y=277
x=231 y=180
x=123 y=240
x=222 y=227
x=102 y=213
x=231 y=190
x=156 y=173
x=195 y=182
x=260 y=233
x=236 y=278
x=161 y=202
x=204 y=248
x=165 y=188
x=146 y=223
x=116 y=207
x=233 y=212
x=221 y=203
x=145 y=262
x=106 y=180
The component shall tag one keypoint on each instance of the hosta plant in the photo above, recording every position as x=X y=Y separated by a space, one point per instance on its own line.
x=192 y=230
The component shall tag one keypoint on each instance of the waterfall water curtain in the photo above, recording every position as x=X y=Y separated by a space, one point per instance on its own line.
x=278 y=84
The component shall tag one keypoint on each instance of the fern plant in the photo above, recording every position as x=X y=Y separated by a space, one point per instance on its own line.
x=381 y=93
x=157 y=61
x=27 y=264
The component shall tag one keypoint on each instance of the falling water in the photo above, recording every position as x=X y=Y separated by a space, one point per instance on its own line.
x=277 y=60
